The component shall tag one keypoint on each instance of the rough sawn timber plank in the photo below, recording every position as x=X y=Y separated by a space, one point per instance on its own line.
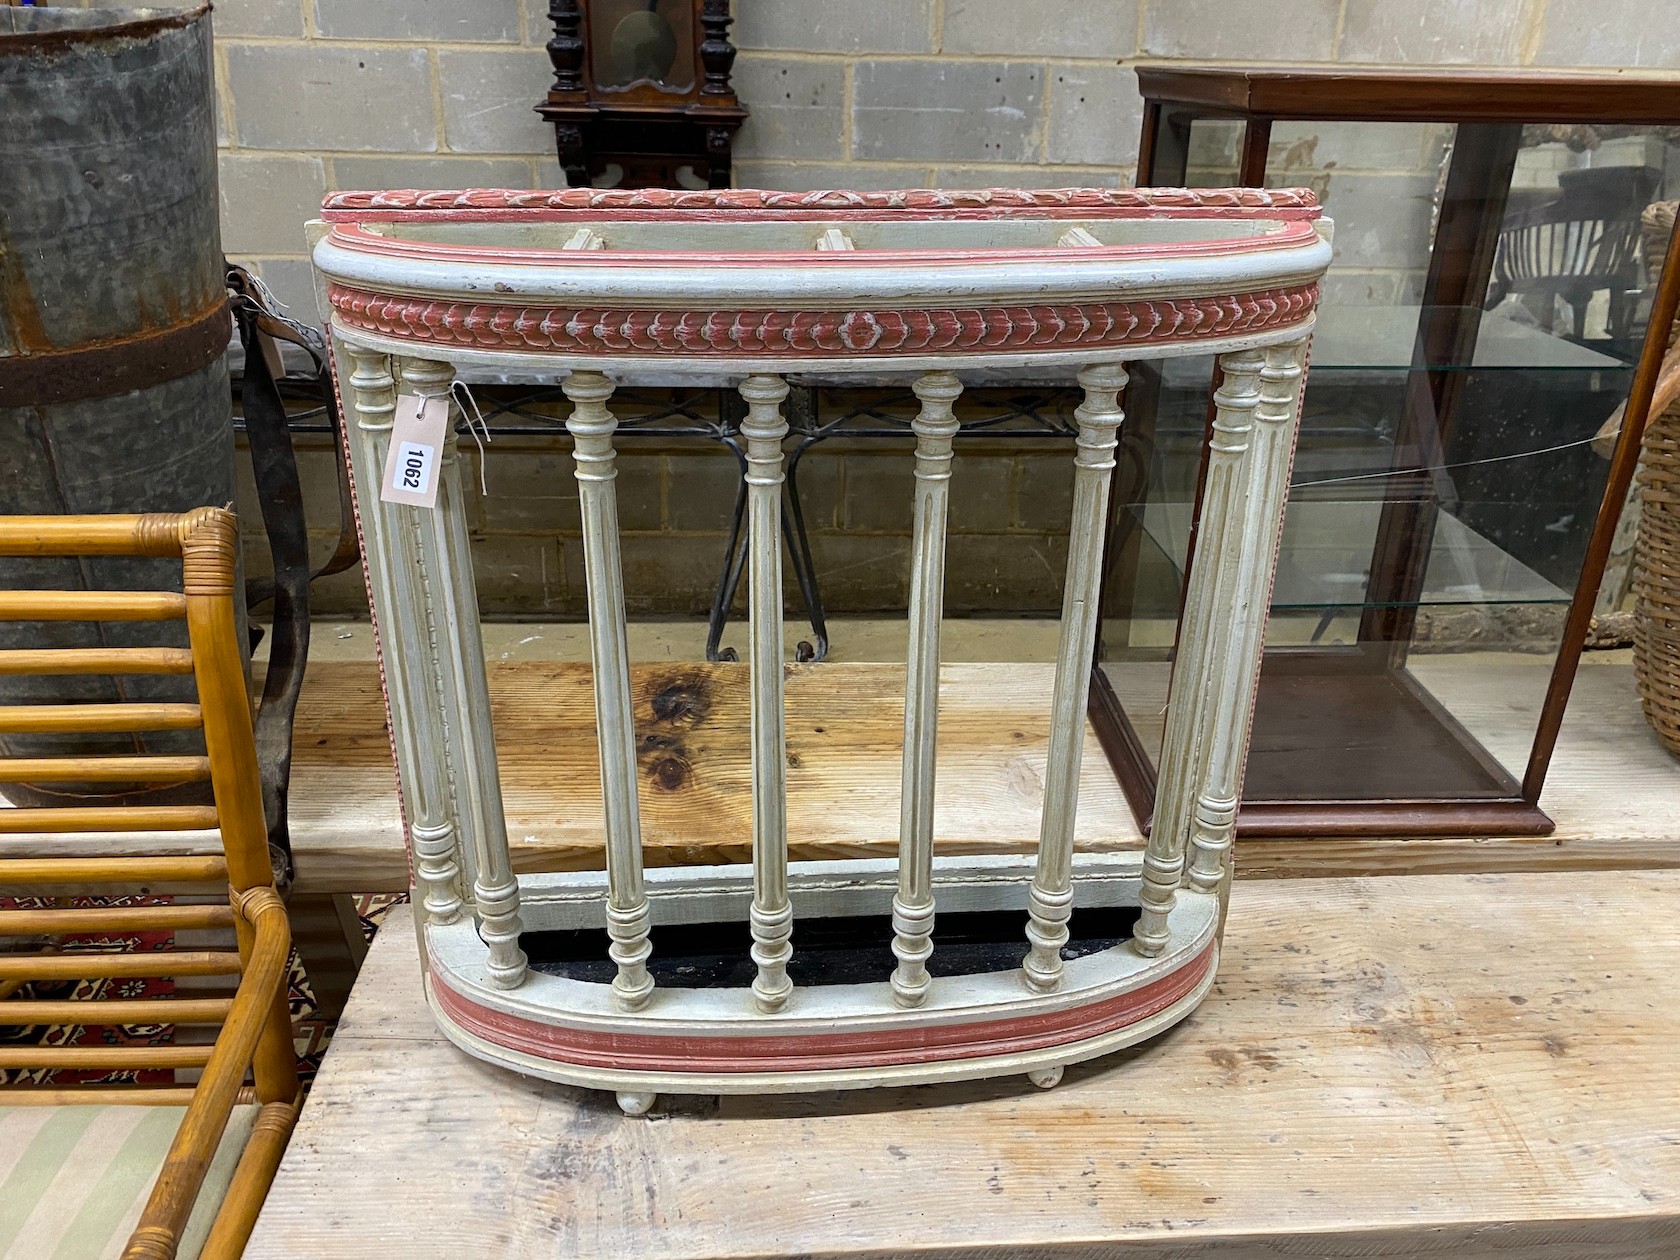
x=1466 y=1066
x=1612 y=789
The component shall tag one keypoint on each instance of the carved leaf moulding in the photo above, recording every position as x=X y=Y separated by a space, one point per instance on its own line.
x=724 y=203
x=981 y=329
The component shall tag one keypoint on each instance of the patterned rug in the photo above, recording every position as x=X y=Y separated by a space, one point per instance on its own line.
x=88 y=990
x=311 y=1034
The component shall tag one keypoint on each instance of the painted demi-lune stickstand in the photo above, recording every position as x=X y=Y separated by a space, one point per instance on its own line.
x=742 y=288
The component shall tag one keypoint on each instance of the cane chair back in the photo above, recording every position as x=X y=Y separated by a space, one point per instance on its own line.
x=254 y=1037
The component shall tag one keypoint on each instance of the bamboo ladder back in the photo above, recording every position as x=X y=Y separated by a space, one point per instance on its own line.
x=255 y=1031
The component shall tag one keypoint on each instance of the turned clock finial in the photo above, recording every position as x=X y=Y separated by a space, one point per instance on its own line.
x=565 y=50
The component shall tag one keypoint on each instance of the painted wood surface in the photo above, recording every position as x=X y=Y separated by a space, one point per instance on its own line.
x=913 y=909
x=1612 y=793
x=1352 y=1087
x=591 y=426
x=437 y=586
x=771 y=915
x=1050 y=902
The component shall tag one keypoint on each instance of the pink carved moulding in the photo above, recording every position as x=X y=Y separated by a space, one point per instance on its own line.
x=853 y=331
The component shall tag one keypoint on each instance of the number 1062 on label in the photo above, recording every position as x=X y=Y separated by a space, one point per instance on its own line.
x=413 y=471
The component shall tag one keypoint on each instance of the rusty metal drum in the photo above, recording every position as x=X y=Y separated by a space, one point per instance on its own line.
x=114 y=321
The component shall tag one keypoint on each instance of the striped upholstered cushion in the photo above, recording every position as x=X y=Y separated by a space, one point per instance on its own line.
x=73 y=1180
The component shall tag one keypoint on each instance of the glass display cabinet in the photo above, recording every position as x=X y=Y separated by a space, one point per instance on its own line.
x=1448 y=521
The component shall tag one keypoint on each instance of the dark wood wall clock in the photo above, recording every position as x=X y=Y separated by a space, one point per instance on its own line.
x=641 y=94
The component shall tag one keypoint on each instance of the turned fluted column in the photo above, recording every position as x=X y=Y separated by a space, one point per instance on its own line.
x=912 y=912
x=1234 y=672
x=389 y=545
x=455 y=662
x=771 y=916
x=591 y=426
x=1210 y=591
x=1050 y=900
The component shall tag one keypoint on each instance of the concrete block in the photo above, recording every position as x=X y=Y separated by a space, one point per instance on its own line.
x=1024 y=176
x=1300 y=149
x=342 y=595
x=703 y=483
x=798 y=108
x=1214 y=145
x=806 y=176
x=1305 y=31
x=493 y=20
x=327 y=96
x=662 y=574
x=1361 y=288
x=1381 y=220
x=489 y=100
x=1101 y=29
x=857 y=26
x=517 y=573
x=532 y=488
x=318 y=477
x=640 y=485
x=1005 y=573
x=1095 y=116
x=266 y=200
x=292 y=281
x=419 y=171
x=338 y=595
x=1616 y=33
x=1044 y=491
x=880 y=490
x=947 y=111
x=864 y=573
x=981 y=490
x=548 y=172
x=1481 y=32
x=538 y=29
x=281 y=18
x=818 y=479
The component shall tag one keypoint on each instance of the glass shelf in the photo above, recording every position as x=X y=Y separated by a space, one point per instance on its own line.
x=1384 y=339
x=1325 y=560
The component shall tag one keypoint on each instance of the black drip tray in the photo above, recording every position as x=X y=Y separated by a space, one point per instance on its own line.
x=855 y=950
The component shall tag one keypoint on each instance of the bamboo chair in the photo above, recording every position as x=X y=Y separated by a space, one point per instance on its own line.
x=255 y=1032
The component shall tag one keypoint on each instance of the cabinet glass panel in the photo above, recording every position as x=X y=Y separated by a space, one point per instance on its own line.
x=1445 y=485
x=642 y=41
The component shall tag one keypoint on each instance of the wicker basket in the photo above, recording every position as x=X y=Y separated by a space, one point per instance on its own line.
x=1656 y=582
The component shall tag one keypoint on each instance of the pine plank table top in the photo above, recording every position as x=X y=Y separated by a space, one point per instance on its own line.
x=1612 y=788
x=1438 y=1066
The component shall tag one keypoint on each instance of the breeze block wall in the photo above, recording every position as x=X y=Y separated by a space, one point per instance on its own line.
x=328 y=94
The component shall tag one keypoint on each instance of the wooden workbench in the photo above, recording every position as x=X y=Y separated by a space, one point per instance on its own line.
x=1612 y=789
x=1439 y=1066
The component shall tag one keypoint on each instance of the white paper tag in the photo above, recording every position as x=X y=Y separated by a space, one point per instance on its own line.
x=411 y=466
